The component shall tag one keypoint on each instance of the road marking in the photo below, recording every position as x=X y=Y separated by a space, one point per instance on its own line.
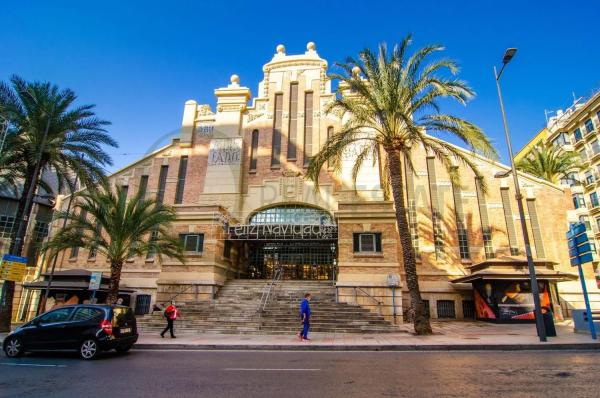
x=272 y=369
x=39 y=365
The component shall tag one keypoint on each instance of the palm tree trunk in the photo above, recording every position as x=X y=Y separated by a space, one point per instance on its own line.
x=420 y=317
x=17 y=242
x=16 y=247
x=115 y=278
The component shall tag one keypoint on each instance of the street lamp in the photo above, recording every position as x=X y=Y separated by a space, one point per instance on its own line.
x=541 y=331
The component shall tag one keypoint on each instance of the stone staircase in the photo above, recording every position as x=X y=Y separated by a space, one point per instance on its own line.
x=234 y=311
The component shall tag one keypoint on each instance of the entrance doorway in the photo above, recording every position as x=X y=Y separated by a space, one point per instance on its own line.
x=299 y=260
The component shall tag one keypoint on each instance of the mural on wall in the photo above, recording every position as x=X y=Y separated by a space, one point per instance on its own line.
x=508 y=300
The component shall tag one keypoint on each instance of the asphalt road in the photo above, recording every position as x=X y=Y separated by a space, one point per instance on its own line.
x=304 y=374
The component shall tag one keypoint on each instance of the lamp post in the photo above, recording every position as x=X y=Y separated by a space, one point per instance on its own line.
x=541 y=331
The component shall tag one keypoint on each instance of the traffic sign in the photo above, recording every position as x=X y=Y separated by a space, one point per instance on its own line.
x=95 y=280
x=13 y=268
x=580 y=252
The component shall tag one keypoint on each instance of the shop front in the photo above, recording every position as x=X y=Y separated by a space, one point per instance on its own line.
x=502 y=289
x=72 y=287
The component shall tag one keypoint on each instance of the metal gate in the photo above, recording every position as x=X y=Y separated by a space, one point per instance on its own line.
x=299 y=260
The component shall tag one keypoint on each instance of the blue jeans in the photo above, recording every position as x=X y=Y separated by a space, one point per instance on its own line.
x=304 y=332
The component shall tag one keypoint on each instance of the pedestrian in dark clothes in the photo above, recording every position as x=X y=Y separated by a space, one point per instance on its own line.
x=305 y=316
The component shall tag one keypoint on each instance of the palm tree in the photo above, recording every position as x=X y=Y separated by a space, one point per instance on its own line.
x=550 y=163
x=104 y=221
x=389 y=114
x=50 y=134
x=72 y=145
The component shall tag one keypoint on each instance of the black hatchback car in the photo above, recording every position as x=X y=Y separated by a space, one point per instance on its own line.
x=88 y=329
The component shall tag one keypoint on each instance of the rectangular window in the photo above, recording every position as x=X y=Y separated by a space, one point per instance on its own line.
x=598 y=223
x=595 y=147
x=162 y=183
x=577 y=134
x=436 y=217
x=594 y=199
x=367 y=242
x=329 y=135
x=276 y=142
x=94 y=249
x=151 y=251
x=461 y=228
x=468 y=307
x=7 y=224
x=486 y=231
x=124 y=190
x=570 y=179
x=446 y=309
x=254 y=150
x=308 y=126
x=589 y=126
x=293 y=122
x=75 y=250
x=586 y=221
x=535 y=228
x=578 y=200
x=181 y=180
x=412 y=207
x=589 y=177
x=561 y=140
x=143 y=187
x=192 y=242
x=510 y=222
x=583 y=154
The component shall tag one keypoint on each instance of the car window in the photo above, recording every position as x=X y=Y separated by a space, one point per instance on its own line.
x=87 y=313
x=121 y=314
x=59 y=315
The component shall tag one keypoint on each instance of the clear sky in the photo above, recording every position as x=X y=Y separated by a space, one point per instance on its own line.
x=140 y=61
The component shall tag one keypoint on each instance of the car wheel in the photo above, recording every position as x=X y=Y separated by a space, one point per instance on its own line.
x=13 y=347
x=89 y=349
x=124 y=348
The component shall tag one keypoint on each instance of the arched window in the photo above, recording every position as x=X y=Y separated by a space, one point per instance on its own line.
x=292 y=214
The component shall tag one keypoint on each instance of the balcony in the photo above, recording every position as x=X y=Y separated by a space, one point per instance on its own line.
x=579 y=143
x=590 y=135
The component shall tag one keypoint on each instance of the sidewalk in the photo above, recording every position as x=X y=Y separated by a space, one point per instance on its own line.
x=448 y=336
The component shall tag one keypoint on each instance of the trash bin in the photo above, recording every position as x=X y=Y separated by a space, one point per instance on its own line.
x=548 y=319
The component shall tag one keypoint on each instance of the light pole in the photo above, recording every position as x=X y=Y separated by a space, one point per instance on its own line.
x=539 y=323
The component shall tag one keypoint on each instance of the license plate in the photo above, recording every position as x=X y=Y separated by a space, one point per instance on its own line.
x=125 y=330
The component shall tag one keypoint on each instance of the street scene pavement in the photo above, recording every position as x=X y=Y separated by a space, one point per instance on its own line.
x=231 y=374
x=447 y=336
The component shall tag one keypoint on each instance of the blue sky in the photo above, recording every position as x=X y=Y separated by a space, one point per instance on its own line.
x=140 y=61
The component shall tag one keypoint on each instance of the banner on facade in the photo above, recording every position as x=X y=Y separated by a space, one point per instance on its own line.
x=225 y=151
x=282 y=232
x=13 y=268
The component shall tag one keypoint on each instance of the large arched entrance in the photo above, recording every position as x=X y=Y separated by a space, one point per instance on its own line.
x=301 y=240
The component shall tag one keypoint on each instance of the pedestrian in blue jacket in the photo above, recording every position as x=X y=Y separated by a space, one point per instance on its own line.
x=305 y=316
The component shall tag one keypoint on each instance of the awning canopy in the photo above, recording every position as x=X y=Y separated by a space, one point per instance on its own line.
x=72 y=279
x=514 y=268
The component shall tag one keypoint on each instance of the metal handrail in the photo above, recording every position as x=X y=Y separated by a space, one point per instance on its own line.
x=359 y=289
x=183 y=291
x=264 y=298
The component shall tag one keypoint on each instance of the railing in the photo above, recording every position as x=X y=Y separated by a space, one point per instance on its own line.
x=366 y=294
x=187 y=289
x=266 y=294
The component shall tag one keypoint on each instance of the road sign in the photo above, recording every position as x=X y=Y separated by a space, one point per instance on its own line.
x=580 y=252
x=95 y=280
x=13 y=268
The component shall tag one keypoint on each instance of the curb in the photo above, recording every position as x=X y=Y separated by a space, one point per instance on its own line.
x=395 y=347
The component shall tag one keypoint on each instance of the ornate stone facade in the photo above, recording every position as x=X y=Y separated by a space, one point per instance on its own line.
x=249 y=155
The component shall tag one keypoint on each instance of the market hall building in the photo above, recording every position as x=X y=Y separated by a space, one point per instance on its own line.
x=236 y=177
